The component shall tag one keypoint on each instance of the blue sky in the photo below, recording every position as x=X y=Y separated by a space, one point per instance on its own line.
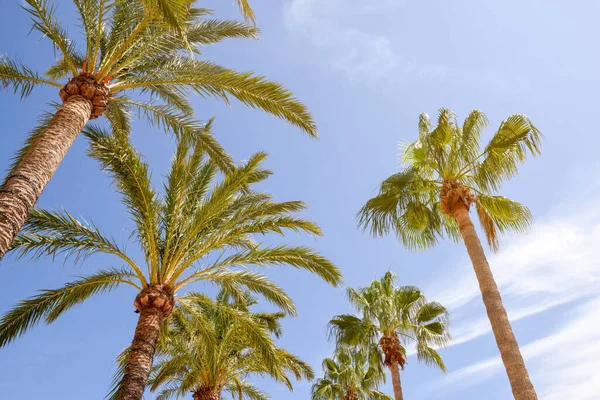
x=366 y=72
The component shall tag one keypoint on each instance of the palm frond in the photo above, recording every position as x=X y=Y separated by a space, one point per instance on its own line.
x=57 y=232
x=246 y=10
x=50 y=304
x=132 y=179
x=507 y=149
x=209 y=79
x=256 y=283
x=20 y=77
x=42 y=15
x=500 y=214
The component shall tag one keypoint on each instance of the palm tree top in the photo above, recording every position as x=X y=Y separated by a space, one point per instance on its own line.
x=199 y=230
x=445 y=170
x=349 y=375
x=206 y=349
x=390 y=315
x=149 y=47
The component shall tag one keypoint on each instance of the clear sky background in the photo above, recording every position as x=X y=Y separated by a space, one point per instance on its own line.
x=366 y=69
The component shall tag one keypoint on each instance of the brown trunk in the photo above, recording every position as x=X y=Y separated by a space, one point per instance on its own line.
x=394 y=360
x=207 y=394
x=155 y=304
x=351 y=394
x=396 y=384
x=26 y=181
x=520 y=383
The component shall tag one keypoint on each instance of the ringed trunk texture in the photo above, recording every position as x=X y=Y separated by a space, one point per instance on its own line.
x=26 y=181
x=518 y=376
x=397 y=385
x=207 y=394
x=155 y=304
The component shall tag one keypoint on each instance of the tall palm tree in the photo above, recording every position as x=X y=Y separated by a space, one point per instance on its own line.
x=349 y=376
x=145 y=48
x=446 y=172
x=391 y=315
x=207 y=352
x=198 y=230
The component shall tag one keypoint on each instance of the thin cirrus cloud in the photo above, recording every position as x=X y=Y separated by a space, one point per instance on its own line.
x=337 y=29
x=554 y=264
x=562 y=365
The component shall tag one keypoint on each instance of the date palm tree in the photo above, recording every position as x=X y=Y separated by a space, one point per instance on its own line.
x=139 y=55
x=207 y=352
x=391 y=315
x=198 y=230
x=349 y=376
x=446 y=172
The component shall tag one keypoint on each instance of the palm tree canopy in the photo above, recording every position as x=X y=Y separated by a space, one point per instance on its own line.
x=390 y=311
x=199 y=230
x=349 y=371
x=410 y=203
x=151 y=47
x=206 y=348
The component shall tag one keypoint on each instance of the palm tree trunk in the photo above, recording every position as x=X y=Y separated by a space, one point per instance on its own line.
x=207 y=394
x=395 y=370
x=140 y=357
x=520 y=383
x=23 y=186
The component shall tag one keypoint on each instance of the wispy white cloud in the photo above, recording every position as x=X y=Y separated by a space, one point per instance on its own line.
x=338 y=29
x=562 y=365
x=554 y=264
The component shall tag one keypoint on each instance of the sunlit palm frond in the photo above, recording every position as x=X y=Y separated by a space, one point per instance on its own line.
x=212 y=80
x=42 y=16
x=409 y=202
x=21 y=78
x=508 y=148
x=50 y=304
x=132 y=179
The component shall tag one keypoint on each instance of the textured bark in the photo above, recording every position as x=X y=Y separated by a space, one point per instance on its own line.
x=396 y=384
x=85 y=85
x=351 y=394
x=392 y=350
x=520 y=383
x=26 y=181
x=154 y=304
x=207 y=394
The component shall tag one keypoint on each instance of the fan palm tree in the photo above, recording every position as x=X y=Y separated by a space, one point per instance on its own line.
x=199 y=230
x=349 y=376
x=207 y=352
x=391 y=315
x=145 y=48
x=446 y=173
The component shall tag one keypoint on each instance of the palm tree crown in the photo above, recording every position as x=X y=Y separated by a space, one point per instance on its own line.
x=349 y=376
x=445 y=169
x=206 y=351
x=199 y=230
x=391 y=315
x=148 y=47
x=180 y=233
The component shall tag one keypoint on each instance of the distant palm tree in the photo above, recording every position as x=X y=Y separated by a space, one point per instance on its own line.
x=349 y=376
x=446 y=172
x=208 y=352
x=390 y=315
x=198 y=230
x=133 y=47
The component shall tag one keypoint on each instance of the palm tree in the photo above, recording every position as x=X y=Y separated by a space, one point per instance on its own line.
x=349 y=376
x=446 y=172
x=207 y=352
x=199 y=230
x=390 y=315
x=145 y=48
